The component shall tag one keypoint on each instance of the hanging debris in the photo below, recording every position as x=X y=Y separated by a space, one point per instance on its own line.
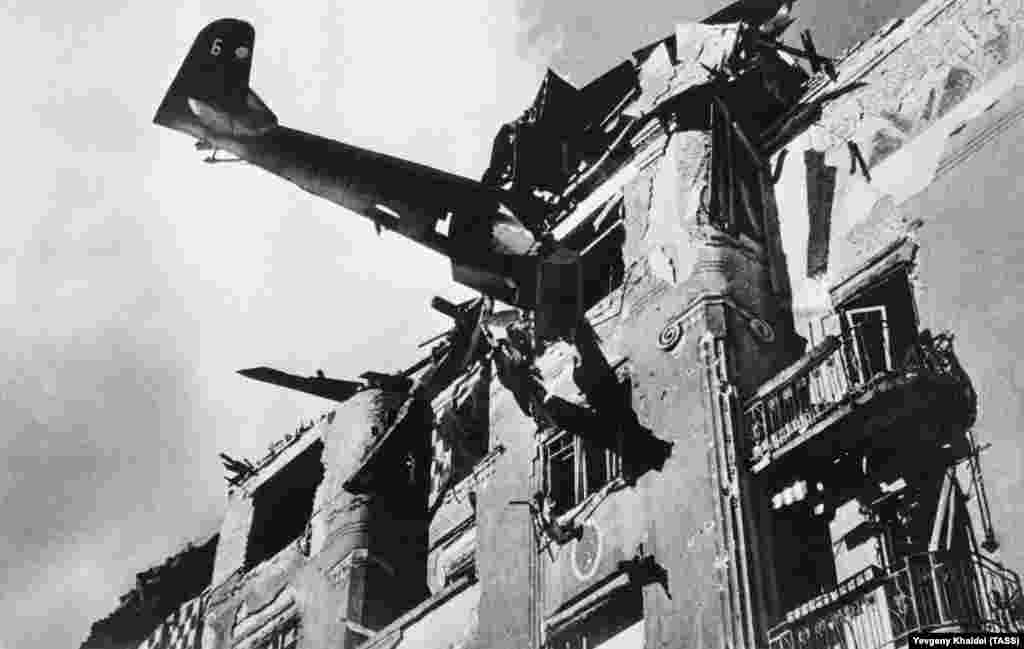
x=821 y=186
x=241 y=470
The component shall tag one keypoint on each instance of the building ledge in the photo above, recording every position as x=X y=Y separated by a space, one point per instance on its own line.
x=587 y=602
x=392 y=633
x=899 y=254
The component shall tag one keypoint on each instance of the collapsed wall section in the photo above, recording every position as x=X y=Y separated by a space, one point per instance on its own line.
x=159 y=591
x=358 y=560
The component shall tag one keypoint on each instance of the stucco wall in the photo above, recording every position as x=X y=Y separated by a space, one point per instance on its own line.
x=971 y=281
x=938 y=124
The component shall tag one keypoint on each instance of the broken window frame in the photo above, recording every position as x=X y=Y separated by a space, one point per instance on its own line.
x=585 y=478
x=884 y=280
x=860 y=345
x=891 y=296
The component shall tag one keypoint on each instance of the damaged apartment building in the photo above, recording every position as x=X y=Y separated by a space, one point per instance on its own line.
x=735 y=415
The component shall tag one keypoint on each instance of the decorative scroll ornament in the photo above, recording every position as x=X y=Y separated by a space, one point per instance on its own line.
x=675 y=329
x=670 y=336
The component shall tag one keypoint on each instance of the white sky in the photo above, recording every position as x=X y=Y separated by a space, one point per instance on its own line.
x=135 y=280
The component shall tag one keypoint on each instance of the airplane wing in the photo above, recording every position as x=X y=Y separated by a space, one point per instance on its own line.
x=334 y=389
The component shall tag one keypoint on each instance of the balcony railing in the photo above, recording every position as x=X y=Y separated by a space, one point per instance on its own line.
x=834 y=373
x=929 y=592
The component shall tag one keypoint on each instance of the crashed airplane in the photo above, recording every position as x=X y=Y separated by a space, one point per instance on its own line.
x=493 y=237
x=503 y=233
x=645 y=454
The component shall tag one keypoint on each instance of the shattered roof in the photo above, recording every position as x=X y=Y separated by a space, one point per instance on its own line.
x=862 y=57
x=690 y=67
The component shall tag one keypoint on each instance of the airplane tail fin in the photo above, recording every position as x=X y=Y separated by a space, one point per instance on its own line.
x=210 y=96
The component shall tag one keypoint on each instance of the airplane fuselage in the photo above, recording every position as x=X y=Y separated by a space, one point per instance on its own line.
x=487 y=236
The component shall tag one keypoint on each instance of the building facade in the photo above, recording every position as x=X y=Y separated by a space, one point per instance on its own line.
x=747 y=425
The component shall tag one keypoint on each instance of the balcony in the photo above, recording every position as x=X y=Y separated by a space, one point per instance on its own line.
x=931 y=592
x=841 y=377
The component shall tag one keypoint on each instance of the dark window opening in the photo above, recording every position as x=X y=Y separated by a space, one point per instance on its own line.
x=561 y=477
x=282 y=505
x=462 y=436
x=463 y=443
x=880 y=324
x=619 y=613
x=804 y=562
x=735 y=200
x=576 y=468
x=930 y=514
x=603 y=267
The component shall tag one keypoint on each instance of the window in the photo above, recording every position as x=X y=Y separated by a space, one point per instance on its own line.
x=869 y=334
x=600 y=250
x=880 y=324
x=282 y=505
x=603 y=266
x=804 y=563
x=877 y=312
x=462 y=435
x=285 y=636
x=577 y=467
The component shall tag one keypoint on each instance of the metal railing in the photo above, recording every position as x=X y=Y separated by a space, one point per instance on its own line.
x=930 y=592
x=831 y=374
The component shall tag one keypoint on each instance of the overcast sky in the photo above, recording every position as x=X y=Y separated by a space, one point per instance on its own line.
x=135 y=280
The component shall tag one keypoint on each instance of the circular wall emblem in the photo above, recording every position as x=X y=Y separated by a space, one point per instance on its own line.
x=586 y=552
x=670 y=336
x=762 y=330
